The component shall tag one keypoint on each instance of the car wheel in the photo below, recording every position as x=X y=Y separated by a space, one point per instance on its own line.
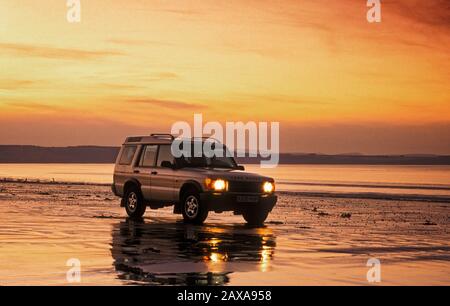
x=134 y=203
x=192 y=208
x=255 y=217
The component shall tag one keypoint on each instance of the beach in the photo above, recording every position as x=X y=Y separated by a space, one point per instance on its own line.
x=306 y=241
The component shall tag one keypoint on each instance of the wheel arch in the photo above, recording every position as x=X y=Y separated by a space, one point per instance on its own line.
x=188 y=185
x=128 y=184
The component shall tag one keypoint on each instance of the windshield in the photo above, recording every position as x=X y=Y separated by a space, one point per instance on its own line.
x=213 y=162
x=224 y=161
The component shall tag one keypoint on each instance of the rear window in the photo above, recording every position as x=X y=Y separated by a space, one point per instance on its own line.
x=127 y=155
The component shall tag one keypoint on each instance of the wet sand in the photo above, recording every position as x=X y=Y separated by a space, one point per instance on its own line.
x=306 y=241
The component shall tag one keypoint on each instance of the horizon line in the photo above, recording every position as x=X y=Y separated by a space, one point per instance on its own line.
x=284 y=153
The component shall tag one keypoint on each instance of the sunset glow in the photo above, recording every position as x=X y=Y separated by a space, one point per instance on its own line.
x=335 y=82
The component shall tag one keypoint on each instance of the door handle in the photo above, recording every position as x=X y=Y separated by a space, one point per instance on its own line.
x=137 y=171
x=154 y=173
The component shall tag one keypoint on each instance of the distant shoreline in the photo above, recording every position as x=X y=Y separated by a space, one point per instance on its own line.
x=309 y=194
x=10 y=180
x=27 y=154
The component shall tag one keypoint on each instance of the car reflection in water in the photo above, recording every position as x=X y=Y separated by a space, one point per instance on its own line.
x=170 y=253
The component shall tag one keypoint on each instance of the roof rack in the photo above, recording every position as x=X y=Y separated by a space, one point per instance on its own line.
x=134 y=139
x=163 y=135
x=206 y=138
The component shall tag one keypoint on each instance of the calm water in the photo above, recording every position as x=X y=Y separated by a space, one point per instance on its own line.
x=348 y=179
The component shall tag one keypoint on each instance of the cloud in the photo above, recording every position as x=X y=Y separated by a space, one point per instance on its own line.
x=434 y=13
x=15 y=84
x=155 y=77
x=411 y=23
x=427 y=23
x=166 y=103
x=136 y=42
x=270 y=99
x=243 y=46
x=160 y=76
x=116 y=86
x=54 y=52
x=34 y=106
x=181 y=12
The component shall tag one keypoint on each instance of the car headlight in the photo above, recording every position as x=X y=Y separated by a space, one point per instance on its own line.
x=216 y=185
x=269 y=187
x=219 y=185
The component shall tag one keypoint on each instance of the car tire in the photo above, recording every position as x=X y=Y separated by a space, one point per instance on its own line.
x=134 y=203
x=255 y=217
x=193 y=210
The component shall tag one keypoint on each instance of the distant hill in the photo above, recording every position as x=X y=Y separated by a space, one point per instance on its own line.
x=95 y=154
x=34 y=154
x=357 y=159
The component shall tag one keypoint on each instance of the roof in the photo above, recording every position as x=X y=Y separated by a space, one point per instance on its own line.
x=160 y=139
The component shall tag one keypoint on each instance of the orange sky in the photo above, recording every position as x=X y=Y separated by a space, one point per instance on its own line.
x=335 y=82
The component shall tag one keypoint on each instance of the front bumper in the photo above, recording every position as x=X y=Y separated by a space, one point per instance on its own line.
x=238 y=202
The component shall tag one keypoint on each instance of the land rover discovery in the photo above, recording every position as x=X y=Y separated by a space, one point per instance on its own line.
x=147 y=174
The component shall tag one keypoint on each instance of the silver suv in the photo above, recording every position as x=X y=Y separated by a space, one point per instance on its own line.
x=147 y=174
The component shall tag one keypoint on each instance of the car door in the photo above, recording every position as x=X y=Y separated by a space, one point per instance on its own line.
x=144 y=167
x=163 y=179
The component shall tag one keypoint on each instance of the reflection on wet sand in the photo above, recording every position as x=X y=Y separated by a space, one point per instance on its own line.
x=182 y=254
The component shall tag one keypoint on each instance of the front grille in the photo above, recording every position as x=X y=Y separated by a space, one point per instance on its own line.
x=240 y=186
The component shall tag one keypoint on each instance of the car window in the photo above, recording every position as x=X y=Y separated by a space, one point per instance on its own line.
x=165 y=154
x=127 y=155
x=148 y=156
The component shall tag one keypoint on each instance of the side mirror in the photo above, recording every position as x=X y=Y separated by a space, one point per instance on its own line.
x=167 y=164
x=240 y=167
